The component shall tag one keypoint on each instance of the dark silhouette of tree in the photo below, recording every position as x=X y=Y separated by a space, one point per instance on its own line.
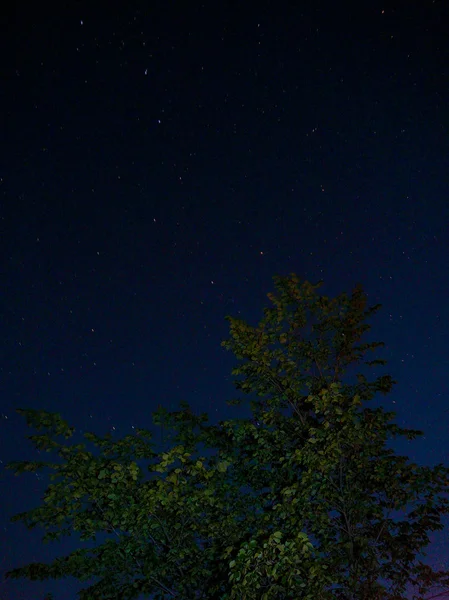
x=303 y=499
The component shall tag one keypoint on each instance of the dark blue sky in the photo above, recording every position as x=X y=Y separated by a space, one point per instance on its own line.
x=160 y=165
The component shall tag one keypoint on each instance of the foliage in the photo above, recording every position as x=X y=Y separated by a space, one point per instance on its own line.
x=303 y=500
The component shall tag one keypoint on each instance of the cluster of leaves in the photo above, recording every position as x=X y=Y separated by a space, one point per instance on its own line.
x=301 y=500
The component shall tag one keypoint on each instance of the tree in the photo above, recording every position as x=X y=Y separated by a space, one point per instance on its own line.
x=302 y=499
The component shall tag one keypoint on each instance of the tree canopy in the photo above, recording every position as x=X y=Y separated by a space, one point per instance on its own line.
x=302 y=499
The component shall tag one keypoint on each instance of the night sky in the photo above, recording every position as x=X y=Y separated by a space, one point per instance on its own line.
x=161 y=162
